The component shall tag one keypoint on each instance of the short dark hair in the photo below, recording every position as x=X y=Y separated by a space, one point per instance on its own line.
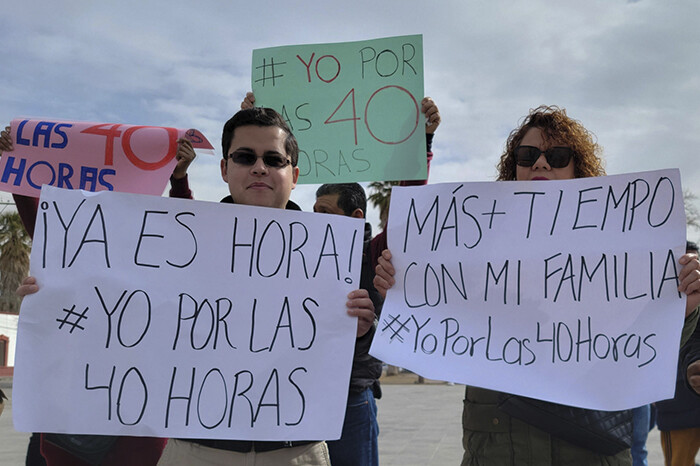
x=259 y=116
x=690 y=246
x=351 y=196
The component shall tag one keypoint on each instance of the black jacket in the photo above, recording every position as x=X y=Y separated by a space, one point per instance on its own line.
x=683 y=410
x=366 y=370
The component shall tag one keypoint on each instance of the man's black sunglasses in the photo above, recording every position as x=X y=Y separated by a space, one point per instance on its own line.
x=557 y=157
x=249 y=159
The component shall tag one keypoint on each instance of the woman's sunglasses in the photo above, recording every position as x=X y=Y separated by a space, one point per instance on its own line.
x=557 y=157
x=249 y=159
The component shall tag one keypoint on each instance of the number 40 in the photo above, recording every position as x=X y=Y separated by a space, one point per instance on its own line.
x=351 y=97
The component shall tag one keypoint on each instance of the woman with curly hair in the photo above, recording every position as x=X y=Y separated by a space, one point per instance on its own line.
x=548 y=145
x=550 y=127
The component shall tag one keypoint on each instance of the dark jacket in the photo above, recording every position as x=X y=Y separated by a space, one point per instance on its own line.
x=492 y=437
x=691 y=351
x=683 y=410
x=366 y=370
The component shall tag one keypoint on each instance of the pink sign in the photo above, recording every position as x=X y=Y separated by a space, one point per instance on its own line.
x=91 y=156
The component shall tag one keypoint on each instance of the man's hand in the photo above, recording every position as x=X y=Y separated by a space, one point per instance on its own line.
x=384 y=278
x=360 y=305
x=5 y=140
x=432 y=114
x=28 y=286
x=185 y=155
x=689 y=278
x=248 y=102
x=694 y=375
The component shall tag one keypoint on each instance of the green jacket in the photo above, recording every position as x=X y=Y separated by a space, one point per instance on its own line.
x=492 y=438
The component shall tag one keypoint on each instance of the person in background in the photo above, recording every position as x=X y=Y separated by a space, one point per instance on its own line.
x=679 y=418
x=690 y=355
x=358 y=444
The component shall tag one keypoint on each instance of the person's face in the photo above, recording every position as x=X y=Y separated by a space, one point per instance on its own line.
x=541 y=169
x=258 y=184
x=328 y=204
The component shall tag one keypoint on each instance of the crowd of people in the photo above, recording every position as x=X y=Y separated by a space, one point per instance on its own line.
x=259 y=167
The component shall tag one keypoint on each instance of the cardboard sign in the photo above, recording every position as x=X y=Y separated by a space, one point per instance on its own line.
x=354 y=107
x=91 y=156
x=558 y=290
x=177 y=318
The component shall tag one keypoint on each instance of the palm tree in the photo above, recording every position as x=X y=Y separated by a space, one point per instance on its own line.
x=381 y=197
x=15 y=246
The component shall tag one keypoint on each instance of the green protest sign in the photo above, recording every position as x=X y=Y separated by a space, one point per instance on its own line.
x=354 y=107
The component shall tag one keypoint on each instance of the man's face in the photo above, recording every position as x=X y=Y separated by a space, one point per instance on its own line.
x=328 y=204
x=258 y=184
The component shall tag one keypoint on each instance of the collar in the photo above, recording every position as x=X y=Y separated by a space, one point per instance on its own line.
x=291 y=205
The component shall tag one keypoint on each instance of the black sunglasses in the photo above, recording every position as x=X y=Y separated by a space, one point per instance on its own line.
x=249 y=159
x=557 y=157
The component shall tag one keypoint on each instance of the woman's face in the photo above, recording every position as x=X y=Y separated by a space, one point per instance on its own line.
x=541 y=169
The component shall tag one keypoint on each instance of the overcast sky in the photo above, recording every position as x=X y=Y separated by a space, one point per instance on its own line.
x=628 y=70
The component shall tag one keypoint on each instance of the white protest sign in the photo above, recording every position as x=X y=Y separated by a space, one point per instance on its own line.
x=558 y=290
x=177 y=318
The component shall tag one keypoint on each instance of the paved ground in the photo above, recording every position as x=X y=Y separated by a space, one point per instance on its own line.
x=420 y=424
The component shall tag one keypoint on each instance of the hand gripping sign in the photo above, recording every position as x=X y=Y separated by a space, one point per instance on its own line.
x=91 y=156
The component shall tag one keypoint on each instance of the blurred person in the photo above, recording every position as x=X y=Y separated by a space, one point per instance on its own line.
x=691 y=361
x=678 y=419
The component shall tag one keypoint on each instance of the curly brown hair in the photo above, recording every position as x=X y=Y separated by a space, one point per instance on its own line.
x=555 y=126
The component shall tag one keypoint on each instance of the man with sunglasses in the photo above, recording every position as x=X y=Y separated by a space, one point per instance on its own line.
x=259 y=166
